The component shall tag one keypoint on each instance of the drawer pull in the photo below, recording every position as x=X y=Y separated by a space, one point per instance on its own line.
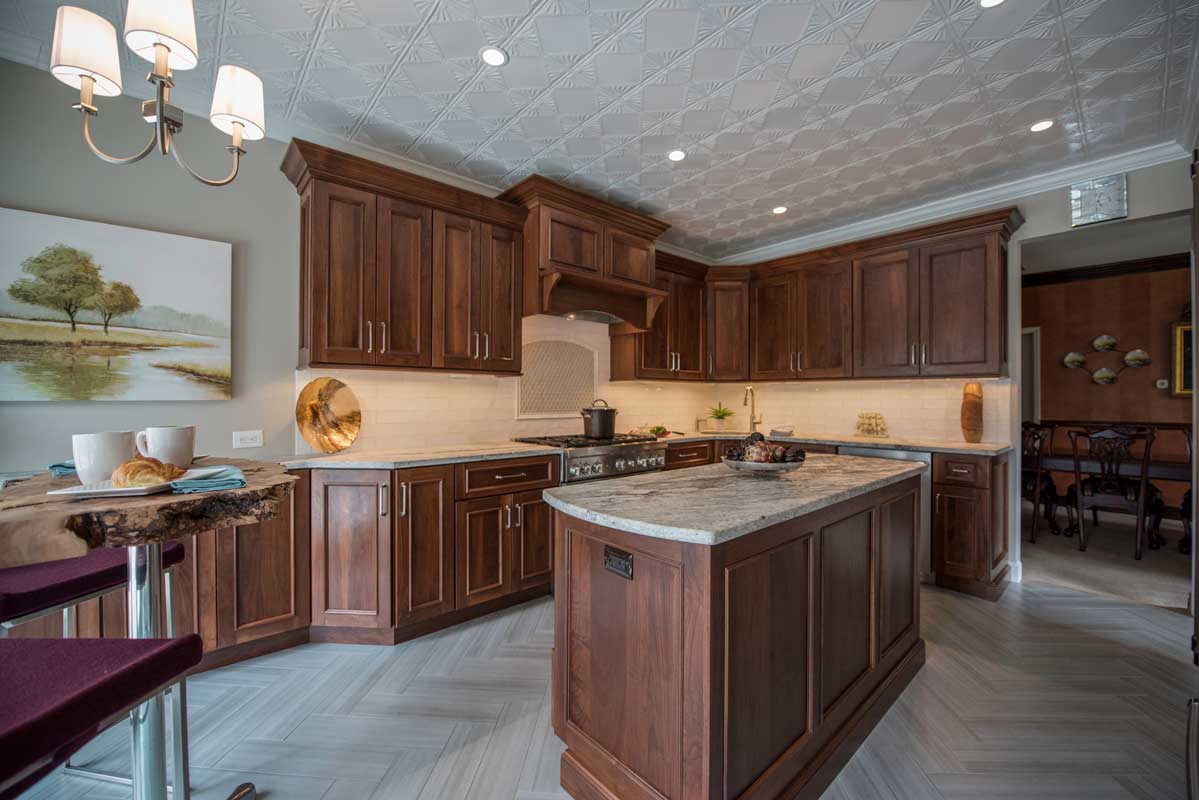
x=500 y=477
x=960 y=470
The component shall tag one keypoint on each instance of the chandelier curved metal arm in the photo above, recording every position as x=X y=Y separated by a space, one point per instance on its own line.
x=237 y=154
x=133 y=159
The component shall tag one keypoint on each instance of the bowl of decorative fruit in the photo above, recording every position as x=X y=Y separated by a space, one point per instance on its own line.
x=759 y=457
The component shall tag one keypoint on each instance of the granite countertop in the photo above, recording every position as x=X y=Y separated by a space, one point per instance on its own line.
x=418 y=457
x=713 y=504
x=884 y=443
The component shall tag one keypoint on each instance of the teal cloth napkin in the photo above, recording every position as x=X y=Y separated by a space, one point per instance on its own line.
x=228 y=478
x=62 y=468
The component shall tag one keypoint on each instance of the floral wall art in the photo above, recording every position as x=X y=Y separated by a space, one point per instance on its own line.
x=90 y=311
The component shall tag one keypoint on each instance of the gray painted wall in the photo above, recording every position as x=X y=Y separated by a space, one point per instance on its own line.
x=46 y=167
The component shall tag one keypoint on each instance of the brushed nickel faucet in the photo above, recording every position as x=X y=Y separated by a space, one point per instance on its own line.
x=750 y=399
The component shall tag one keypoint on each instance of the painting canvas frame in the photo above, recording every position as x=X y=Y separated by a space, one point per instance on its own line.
x=1182 y=379
x=96 y=312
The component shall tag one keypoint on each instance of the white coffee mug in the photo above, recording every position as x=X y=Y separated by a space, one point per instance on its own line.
x=173 y=444
x=98 y=454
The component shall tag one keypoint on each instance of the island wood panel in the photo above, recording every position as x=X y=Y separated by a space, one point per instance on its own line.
x=728 y=330
x=404 y=284
x=262 y=579
x=351 y=548
x=424 y=520
x=343 y=274
x=628 y=257
x=769 y=630
x=772 y=328
x=962 y=304
x=886 y=314
x=824 y=324
x=457 y=291
x=501 y=298
x=570 y=241
x=998 y=523
x=533 y=541
x=736 y=652
x=847 y=606
x=484 y=549
x=899 y=564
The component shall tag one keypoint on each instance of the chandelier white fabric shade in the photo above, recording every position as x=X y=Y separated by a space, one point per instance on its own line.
x=85 y=44
x=238 y=98
x=168 y=22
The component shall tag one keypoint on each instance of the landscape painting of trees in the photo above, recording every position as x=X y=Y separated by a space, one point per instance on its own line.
x=90 y=311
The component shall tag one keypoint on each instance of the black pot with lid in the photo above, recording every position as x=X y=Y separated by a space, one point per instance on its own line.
x=599 y=421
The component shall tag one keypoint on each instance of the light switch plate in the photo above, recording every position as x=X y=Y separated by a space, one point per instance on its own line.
x=247 y=439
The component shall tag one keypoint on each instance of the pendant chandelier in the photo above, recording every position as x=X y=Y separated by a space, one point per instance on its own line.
x=163 y=32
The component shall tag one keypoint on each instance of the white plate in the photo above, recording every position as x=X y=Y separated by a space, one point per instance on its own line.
x=106 y=489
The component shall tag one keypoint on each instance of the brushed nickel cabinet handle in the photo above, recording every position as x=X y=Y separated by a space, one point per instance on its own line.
x=476 y=355
x=508 y=511
x=711 y=369
x=403 y=499
x=520 y=514
x=370 y=336
x=799 y=360
x=791 y=361
x=959 y=470
x=486 y=346
x=912 y=355
x=383 y=493
x=509 y=477
x=924 y=354
x=382 y=338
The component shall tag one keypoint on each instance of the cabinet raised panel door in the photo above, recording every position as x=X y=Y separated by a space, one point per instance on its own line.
x=655 y=352
x=404 y=281
x=457 y=292
x=343 y=274
x=571 y=242
x=886 y=315
x=687 y=318
x=533 y=536
x=424 y=543
x=502 y=299
x=772 y=328
x=962 y=319
x=959 y=530
x=628 y=257
x=728 y=330
x=484 y=545
x=351 y=548
x=824 y=338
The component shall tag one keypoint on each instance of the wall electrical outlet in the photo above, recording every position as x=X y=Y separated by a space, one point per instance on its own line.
x=247 y=439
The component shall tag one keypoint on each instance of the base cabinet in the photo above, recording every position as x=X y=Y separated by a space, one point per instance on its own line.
x=970 y=524
x=424 y=543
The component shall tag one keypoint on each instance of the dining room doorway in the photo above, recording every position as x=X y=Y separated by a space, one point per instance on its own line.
x=1101 y=342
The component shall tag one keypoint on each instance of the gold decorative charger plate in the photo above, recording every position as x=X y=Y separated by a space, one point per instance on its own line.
x=328 y=415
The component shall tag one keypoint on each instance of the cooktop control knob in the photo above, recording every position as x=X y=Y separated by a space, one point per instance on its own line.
x=641 y=462
x=574 y=471
x=620 y=463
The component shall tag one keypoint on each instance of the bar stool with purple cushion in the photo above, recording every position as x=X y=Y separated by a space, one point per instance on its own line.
x=37 y=590
x=58 y=694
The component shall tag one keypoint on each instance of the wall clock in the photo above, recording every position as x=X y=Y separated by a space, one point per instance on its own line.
x=1098 y=200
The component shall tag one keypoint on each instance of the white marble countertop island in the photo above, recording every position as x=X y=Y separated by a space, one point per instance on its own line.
x=713 y=504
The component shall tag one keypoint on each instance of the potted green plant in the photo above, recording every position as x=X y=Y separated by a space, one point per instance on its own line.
x=720 y=416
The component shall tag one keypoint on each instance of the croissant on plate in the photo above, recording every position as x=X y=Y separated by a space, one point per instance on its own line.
x=144 y=471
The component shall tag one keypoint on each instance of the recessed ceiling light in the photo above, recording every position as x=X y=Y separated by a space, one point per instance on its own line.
x=676 y=155
x=1043 y=125
x=493 y=56
x=989 y=3
x=779 y=210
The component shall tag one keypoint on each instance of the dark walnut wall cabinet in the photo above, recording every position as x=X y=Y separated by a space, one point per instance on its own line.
x=399 y=553
x=244 y=590
x=675 y=347
x=404 y=272
x=801 y=324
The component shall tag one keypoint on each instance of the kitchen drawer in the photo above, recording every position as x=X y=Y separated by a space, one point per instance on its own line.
x=488 y=478
x=962 y=470
x=691 y=454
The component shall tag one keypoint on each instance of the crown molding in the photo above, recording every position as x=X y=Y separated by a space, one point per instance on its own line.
x=1007 y=193
x=683 y=252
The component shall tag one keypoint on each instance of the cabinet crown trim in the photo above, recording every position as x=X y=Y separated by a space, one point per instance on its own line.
x=307 y=160
x=535 y=190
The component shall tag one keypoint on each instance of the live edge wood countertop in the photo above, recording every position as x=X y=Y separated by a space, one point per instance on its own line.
x=713 y=504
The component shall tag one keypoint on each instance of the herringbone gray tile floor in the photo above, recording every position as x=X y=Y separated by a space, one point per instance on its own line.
x=1050 y=693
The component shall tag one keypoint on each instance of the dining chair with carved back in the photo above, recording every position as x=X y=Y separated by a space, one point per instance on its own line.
x=1036 y=486
x=1182 y=511
x=1108 y=485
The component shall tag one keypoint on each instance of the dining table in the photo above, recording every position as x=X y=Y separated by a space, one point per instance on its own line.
x=36 y=526
x=1130 y=468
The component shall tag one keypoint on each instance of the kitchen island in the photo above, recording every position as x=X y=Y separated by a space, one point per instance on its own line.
x=721 y=635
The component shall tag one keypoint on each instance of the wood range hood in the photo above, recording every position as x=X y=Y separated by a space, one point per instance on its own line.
x=588 y=259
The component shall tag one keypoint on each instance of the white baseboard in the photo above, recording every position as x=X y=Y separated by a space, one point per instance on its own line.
x=1015 y=571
